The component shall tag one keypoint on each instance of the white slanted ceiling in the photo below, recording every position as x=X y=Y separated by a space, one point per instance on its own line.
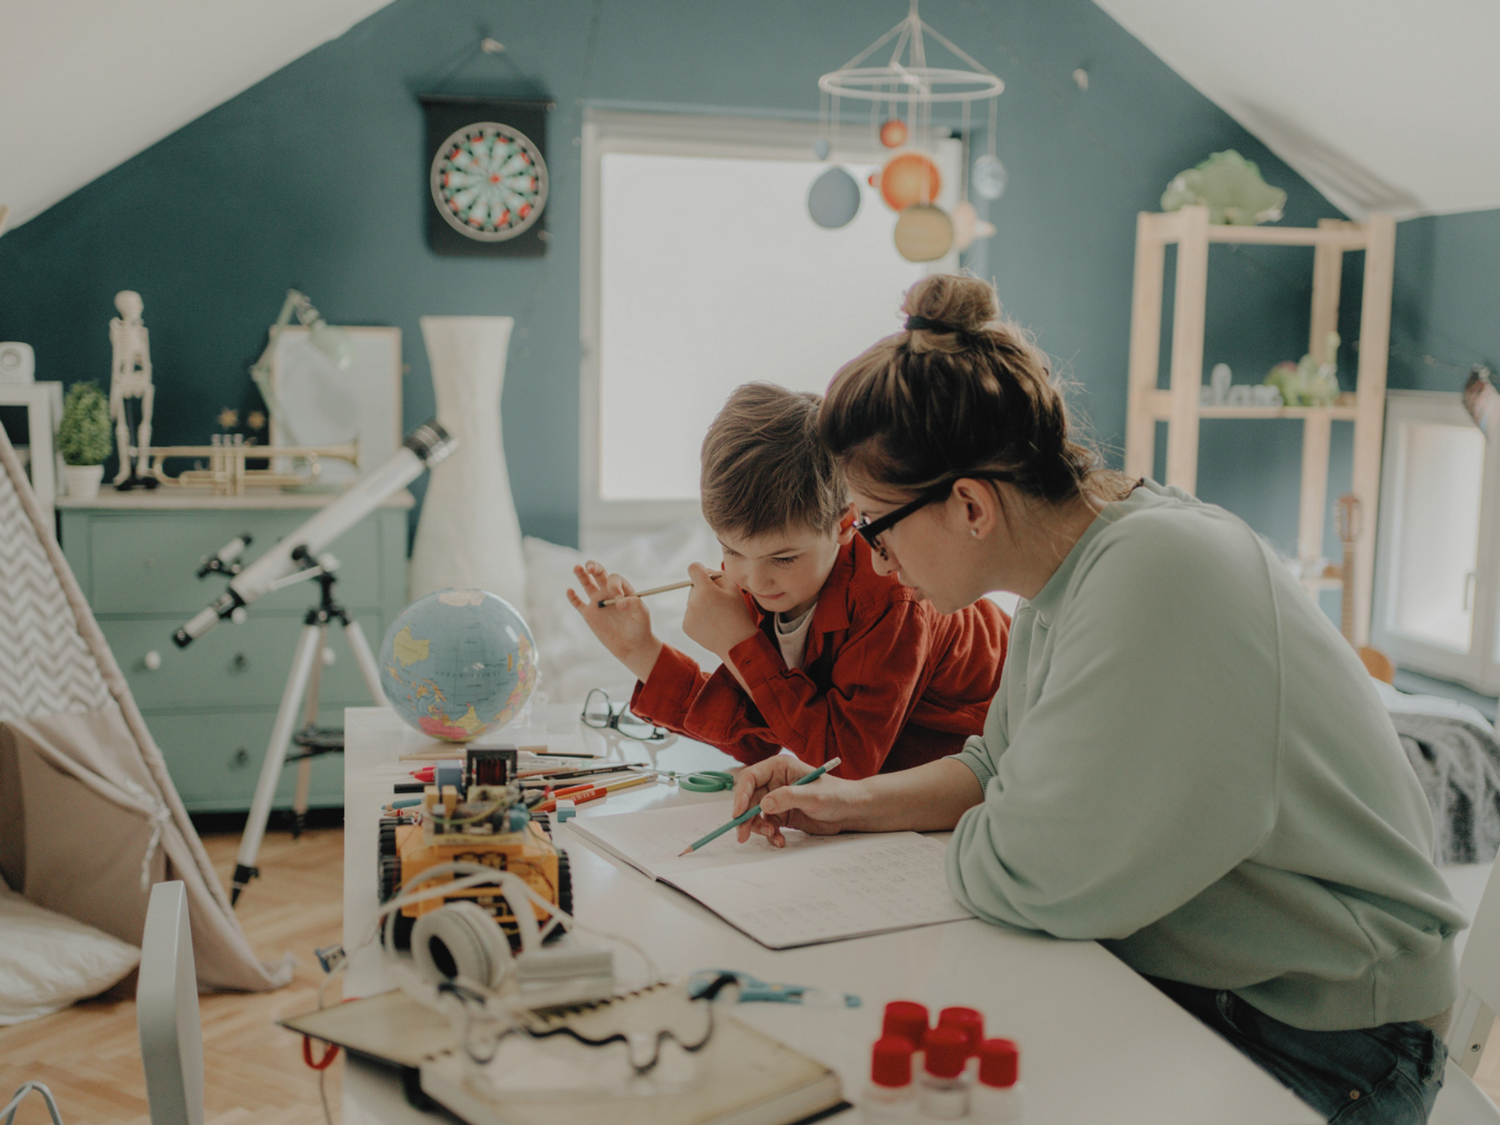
x=1382 y=105
x=87 y=84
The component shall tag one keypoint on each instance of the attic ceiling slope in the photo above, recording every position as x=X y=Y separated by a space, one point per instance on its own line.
x=86 y=85
x=1382 y=105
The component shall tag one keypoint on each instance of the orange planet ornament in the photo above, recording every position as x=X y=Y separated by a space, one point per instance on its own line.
x=893 y=133
x=908 y=178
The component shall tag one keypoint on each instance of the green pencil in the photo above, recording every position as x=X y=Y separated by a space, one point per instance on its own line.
x=744 y=816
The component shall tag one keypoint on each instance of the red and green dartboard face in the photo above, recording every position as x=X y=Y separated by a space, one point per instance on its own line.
x=489 y=181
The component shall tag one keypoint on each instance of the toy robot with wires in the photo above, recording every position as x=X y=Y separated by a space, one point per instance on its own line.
x=479 y=814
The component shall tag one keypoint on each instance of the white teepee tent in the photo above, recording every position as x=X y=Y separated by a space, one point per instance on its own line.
x=89 y=818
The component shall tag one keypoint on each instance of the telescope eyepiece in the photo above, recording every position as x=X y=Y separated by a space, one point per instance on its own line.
x=431 y=442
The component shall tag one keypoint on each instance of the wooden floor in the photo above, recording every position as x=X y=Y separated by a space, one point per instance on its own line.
x=253 y=1070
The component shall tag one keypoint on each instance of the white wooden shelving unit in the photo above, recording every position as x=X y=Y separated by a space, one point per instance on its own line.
x=1179 y=405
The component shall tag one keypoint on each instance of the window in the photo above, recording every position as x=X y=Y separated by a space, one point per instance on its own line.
x=1437 y=592
x=702 y=271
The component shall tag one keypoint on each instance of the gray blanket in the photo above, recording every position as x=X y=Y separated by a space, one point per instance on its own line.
x=1458 y=764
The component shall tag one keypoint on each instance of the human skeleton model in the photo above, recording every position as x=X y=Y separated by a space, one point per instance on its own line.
x=130 y=378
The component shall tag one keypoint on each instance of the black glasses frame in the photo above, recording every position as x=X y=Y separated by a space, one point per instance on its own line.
x=616 y=712
x=871 y=530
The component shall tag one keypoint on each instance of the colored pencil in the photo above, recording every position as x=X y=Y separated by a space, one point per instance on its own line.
x=655 y=590
x=744 y=816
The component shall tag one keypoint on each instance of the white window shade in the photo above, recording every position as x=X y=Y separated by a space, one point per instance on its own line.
x=704 y=271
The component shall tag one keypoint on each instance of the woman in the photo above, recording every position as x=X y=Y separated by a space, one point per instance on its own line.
x=1184 y=760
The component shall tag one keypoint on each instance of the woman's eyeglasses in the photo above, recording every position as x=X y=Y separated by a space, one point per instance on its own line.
x=602 y=714
x=871 y=530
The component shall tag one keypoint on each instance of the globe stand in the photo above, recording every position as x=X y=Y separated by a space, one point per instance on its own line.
x=302 y=684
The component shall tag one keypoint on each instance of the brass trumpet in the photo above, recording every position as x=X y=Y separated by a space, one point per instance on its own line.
x=226 y=474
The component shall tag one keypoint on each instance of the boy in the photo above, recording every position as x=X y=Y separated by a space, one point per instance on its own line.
x=821 y=655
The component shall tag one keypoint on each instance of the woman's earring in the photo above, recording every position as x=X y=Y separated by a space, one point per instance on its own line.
x=974 y=531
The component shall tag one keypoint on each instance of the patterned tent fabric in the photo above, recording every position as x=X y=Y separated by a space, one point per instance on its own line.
x=89 y=818
x=45 y=667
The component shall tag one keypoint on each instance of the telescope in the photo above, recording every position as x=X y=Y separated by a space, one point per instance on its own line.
x=428 y=444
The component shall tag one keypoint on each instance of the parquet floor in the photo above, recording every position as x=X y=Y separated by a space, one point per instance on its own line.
x=88 y=1055
x=253 y=1070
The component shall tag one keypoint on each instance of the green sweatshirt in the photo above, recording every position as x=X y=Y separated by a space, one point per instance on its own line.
x=1187 y=762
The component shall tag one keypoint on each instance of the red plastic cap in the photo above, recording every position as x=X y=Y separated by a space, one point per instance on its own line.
x=907 y=1019
x=968 y=1020
x=947 y=1049
x=999 y=1062
x=890 y=1061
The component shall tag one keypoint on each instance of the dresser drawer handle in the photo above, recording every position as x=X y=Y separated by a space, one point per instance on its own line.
x=240 y=760
x=152 y=661
x=240 y=662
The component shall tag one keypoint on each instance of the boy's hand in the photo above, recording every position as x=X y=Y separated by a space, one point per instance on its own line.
x=717 y=616
x=821 y=807
x=625 y=627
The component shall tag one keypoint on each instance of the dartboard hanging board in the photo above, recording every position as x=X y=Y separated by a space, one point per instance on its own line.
x=487 y=182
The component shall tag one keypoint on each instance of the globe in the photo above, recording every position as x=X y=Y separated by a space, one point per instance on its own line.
x=457 y=664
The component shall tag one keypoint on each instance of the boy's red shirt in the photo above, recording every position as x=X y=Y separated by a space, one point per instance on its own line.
x=887 y=682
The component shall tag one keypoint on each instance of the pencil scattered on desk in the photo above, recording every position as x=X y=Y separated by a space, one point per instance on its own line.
x=655 y=590
x=579 y=796
x=748 y=813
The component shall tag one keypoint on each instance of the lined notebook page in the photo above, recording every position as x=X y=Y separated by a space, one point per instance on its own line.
x=816 y=889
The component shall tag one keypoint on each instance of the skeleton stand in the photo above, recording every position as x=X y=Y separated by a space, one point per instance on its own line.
x=302 y=683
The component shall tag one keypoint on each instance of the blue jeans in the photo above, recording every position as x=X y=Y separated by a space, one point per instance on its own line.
x=1387 y=1075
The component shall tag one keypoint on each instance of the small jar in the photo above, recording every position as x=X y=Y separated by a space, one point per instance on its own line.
x=944 y=1086
x=891 y=1097
x=996 y=1098
x=970 y=1021
x=907 y=1019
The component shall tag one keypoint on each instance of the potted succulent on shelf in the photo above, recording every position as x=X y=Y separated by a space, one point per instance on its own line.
x=84 y=439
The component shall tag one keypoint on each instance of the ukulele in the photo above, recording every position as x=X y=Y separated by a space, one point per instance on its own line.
x=1377 y=663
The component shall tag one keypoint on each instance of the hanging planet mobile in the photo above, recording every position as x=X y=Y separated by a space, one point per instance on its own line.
x=489 y=181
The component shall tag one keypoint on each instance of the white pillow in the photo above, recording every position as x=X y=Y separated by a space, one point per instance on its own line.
x=571 y=659
x=48 y=960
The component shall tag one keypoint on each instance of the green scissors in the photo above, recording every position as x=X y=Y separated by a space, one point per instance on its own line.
x=701 y=781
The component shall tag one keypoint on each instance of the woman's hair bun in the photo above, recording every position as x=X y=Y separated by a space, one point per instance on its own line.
x=965 y=302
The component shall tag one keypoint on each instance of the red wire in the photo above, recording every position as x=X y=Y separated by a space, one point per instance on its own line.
x=328 y=1056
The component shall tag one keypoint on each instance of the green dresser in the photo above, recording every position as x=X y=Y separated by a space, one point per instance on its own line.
x=210 y=706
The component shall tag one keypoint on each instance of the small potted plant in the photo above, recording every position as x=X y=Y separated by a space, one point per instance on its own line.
x=84 y=439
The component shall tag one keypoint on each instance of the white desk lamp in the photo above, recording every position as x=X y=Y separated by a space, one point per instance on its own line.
x=332 y=342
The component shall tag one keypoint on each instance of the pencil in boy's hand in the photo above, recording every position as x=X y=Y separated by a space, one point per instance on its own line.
x=655 y=590
x=748 y=813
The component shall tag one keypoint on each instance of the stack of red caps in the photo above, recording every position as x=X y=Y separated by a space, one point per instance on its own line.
x=890 y=1061
x=999 y=1062
x=969 y=1021
x=946 y=1052
x=906 y=1019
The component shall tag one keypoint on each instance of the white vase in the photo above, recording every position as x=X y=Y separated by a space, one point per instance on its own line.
x=468 y=534
x=83 y=480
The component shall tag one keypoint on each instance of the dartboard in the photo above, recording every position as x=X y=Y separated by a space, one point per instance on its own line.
x=489 y=181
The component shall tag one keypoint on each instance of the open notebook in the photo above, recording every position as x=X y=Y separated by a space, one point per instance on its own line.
x=816 y=889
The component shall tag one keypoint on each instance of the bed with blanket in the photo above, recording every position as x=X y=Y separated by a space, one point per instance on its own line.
x=1456 y=755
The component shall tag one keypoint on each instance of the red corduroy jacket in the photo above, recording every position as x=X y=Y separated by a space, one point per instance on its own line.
x=887 y=682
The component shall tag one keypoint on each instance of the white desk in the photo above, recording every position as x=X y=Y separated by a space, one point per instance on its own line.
x=1098 y=1044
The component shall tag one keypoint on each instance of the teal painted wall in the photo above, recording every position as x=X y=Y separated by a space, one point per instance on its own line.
x=315 y=178
x=1445 y=311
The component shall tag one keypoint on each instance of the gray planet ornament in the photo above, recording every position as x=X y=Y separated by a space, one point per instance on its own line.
x=833 y=199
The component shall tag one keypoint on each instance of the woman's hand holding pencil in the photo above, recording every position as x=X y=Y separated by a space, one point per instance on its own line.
x=779 y=787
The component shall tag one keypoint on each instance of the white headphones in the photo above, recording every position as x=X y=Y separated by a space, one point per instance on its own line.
x=460 y=941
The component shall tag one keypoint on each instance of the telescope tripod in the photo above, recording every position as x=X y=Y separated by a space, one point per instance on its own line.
x=302 y=684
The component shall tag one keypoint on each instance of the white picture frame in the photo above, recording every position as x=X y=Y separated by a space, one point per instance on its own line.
x=330 y=407
x=44 y=403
